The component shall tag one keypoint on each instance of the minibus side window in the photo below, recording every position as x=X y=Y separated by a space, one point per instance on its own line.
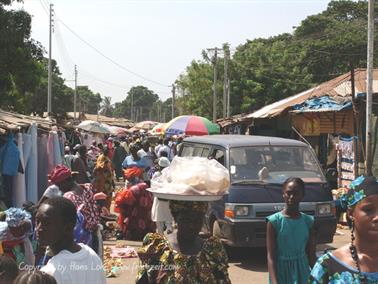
x=205 y=152
x=187 y=151
x=219 y=156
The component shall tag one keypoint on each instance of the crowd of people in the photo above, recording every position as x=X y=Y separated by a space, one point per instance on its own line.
x=64 y=227
x=59 y=240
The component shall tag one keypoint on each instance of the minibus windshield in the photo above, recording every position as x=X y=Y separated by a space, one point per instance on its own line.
x=273 y=164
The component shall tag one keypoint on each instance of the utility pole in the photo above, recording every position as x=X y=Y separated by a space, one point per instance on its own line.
x=159 y=112
x=215 y=59
x=75 y=94
x=49 y=83
x=369 y=88
x=132 y=107
x=225 y=82
x=228 y=98
x=173 y=100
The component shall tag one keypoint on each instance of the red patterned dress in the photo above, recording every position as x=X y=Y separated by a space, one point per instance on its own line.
x=134 y=205
x=86 y=204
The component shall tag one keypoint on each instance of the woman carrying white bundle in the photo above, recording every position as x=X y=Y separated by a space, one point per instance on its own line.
x=160 y=212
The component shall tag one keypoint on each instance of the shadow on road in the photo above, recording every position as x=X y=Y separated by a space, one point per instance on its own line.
x=252 y=259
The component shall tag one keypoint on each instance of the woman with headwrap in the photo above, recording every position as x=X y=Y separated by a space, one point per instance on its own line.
x=134 y=160
x=134 y=204
x=357 y=261
x=183 y=257
x=84 y=198
x=15 y=229
x=103 y=177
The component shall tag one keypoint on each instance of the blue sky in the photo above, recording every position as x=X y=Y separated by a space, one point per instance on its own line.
x=155 y=39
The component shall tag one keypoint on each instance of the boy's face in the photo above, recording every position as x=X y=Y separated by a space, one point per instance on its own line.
x=49 y=227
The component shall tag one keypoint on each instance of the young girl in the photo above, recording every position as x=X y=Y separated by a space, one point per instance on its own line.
x=290 y=238
x=355 y=262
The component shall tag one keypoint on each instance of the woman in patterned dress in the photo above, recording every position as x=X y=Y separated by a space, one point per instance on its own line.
x=83 y=196
x=356 y=262
x=183 y=257
x=103 y=177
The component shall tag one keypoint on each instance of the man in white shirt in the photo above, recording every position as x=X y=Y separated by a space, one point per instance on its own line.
x=167 y=149
x=71 y=262
x=158 y=146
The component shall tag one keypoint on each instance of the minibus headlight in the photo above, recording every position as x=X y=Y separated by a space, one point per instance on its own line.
x=324 y=209
x=241 y=210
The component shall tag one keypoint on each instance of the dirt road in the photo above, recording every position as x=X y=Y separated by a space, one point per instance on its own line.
x=246 y=265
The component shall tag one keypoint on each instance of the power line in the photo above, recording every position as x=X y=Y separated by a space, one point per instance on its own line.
x=103 y=81
x=44 y=7
x=111 y=60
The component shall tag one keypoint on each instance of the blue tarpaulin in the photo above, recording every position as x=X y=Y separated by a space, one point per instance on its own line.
x=324 y=103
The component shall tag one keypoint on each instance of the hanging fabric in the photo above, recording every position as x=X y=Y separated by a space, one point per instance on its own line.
x=31 y=164
x=50 y=153
x=57 y=153
x=18 y=184
x=9 y=156
x=42 y=164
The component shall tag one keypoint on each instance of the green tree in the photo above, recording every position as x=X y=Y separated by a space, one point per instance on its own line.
x=143 y=103
x=89 y=102
x=197 y=81
x=20 y=57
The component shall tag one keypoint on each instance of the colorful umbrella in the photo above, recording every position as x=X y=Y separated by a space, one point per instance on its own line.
x=118 y=131
x=93 y=126
x=146 y=125
x=157 y=130
x=191 y=125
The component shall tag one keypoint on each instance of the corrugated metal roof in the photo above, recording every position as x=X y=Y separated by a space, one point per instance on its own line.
x=338 y=88
x=276 y=108
x=11 y=120
x=114 y=121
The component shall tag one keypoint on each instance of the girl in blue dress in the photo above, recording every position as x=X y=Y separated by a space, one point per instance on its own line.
x=290 y=238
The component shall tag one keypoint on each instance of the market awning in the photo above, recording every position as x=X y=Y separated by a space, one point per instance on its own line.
x=339 y=89
x=321 y=104
x=277 y=108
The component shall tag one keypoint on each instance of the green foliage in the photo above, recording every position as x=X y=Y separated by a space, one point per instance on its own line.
x=198 y=83
x=23 y=71
x=88 y=102
x=143 y=101
x=19 y=55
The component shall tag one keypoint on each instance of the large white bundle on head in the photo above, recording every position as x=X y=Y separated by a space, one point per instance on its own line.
x=193 y=175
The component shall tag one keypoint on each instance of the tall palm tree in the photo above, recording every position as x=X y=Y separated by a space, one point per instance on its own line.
x=106 y=106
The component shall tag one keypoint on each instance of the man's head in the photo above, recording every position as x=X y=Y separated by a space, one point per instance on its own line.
x=163 y=162
x=134 y=151
x=146 y=145
x=106 y=150
x=82 y=150
x=166 y=141
x=67 y=150
x=55 y=221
